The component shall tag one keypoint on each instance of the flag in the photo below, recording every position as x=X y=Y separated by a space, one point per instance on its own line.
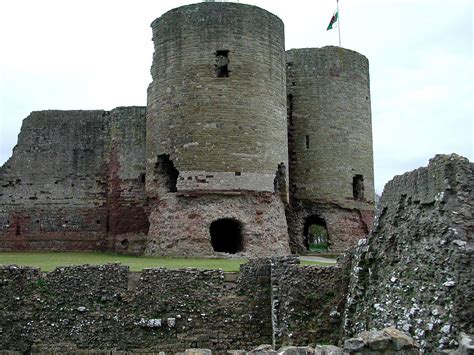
x=333 y=21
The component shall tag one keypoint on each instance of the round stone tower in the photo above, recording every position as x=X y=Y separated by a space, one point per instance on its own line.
x=216 y=132
x=330 y=144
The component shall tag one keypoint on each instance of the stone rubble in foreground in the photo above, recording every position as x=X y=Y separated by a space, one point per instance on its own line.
x=388 y=341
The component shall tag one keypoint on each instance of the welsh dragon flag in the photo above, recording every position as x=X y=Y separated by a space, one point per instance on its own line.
x=333 y=21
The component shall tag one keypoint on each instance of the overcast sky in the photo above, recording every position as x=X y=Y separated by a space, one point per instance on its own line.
x=96 y=54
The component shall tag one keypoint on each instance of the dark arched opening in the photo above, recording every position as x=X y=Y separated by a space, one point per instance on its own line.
x=226 y=235
x=316 y=235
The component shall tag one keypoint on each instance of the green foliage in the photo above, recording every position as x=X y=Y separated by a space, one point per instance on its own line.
x=317 y=238
x=318 y=246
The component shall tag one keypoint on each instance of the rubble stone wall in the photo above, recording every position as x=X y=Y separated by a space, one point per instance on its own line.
x=308 y=303
x=415 y=270
x=345 y=226
x=180 y=225
x=108 y=307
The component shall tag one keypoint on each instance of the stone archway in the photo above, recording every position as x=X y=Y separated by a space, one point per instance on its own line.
x=316 y=236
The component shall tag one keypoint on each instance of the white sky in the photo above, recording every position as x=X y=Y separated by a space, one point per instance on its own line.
x=96 y=54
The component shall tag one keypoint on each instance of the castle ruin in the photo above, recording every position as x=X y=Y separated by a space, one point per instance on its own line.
x=241 y=149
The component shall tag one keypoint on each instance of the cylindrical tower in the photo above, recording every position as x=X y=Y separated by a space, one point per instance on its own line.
x=216 y=122
x=216 y=105
x=330 y=140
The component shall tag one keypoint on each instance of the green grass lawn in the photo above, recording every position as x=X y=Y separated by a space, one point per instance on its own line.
x=47 y=261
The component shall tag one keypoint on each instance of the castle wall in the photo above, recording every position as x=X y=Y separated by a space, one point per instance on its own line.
x=126 y=196
x=71 y=180
x=414 y=271
x=344 y=226
x=178 y=223
x=215 y=145
x=216 y=124
x=330 y=142
x=221 y=133
x=108 y=308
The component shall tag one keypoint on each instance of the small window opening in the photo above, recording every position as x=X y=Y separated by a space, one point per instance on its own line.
x=307 y=142
x=315 y=234
x=222 y=63
x=226 y=235
x=238 y=173
x=141 y=178
x=280 y=182
x=358 y=187
x=166 y=173
x=290 y=108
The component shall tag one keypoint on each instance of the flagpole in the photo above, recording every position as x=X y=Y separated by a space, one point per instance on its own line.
x=339 y=22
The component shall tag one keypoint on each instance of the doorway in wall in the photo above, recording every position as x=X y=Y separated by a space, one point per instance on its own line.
x=316 y=235
x=226 y=235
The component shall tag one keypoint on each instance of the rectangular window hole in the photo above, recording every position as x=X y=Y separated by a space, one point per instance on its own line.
x=222 y=63
x=358 y=187
x=238 y=173
x=307 y=142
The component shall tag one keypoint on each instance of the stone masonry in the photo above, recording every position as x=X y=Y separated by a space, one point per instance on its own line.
x=413 y=274
x=106 y=307
x=415 y=270
x=75 y=182
x=330 y=144
x=241 y=148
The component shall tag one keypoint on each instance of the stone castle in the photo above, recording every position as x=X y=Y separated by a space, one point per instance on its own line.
x=241 y=149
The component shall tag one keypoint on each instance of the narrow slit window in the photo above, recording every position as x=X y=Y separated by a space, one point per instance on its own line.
x=290 y=108
x=358 y=187
x=222 y=63
x=307 y=141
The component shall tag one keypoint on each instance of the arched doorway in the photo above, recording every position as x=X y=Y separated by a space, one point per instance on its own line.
x=226 y=235
x=316 y=235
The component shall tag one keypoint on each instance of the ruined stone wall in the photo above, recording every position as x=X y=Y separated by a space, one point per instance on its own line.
x=344 y=226
x=308 y=303
x=107 y=307
x=330 y=143
x=216 y=126
x=180 y=224
x=72 y=177
x=415 y=270
x=126 y=196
